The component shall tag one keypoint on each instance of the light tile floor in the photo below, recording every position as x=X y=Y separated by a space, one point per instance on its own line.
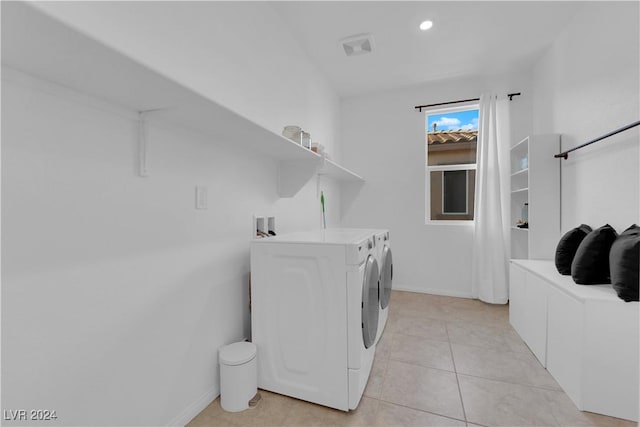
x=442 y=361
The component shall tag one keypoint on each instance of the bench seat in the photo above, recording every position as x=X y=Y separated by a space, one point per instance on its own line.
x=584 y=335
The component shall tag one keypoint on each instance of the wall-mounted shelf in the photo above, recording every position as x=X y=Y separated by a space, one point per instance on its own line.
x=521 y=146
x=520 y=172
x=50 y=50
x=520 y=190
x=335 y=171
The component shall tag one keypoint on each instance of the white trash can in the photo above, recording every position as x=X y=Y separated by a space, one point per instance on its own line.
x=238 y=376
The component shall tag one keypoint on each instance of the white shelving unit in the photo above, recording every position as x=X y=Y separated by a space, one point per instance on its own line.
x=535 y=179
x=49 y=50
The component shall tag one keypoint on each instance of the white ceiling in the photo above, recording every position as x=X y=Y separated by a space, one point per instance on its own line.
x=467 y=38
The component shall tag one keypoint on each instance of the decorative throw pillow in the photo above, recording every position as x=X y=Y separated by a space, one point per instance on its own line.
x=567 y=247
x=590 y=266
x=624 y=260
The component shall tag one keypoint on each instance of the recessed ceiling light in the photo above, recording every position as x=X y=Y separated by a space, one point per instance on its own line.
x=425 y=25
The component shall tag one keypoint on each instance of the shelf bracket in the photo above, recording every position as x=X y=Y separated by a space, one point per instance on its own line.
x=143 y=170
x=318 y=185
x=294 y=174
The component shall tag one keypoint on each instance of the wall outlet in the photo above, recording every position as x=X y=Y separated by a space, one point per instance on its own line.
x=263 y=226
x=271 y=225
x=201 y=197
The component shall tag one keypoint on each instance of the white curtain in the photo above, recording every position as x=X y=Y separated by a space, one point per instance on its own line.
x=491 y=241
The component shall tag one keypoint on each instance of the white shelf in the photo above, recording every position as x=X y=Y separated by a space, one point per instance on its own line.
x=47 y=49
x=520 y=190
x=334 y=170
x=522 y=145
x=513 y=227
x=520 y=172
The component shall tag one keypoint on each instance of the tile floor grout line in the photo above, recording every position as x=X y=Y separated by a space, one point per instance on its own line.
x=508 y=350
x=384 y=378
x=418 y=336
x=386 y=367
x=559 y=390
x=494 y=324
x=489 y=348
x=557 y=423
x=505 y=349
x=486 y=325
x=375 y=413
x=418 y=409
x=422 y=366
x=464 y=411
x=476 y=323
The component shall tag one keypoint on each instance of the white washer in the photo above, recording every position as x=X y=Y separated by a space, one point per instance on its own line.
x=314 y=314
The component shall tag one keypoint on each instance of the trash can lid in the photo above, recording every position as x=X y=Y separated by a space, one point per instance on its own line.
x=237 y=353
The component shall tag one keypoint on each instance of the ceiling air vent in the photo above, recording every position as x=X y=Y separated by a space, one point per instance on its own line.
x=357 y=45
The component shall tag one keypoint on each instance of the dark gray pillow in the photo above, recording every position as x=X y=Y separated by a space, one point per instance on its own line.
x=624 y=260
x=590 y=266
x=567 y=247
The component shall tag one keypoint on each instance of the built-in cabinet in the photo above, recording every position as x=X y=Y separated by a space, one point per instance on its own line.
x=92 y=68
x=585 y=336
x=535 y=197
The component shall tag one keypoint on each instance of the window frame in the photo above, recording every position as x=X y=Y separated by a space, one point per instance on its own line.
x=472 y=105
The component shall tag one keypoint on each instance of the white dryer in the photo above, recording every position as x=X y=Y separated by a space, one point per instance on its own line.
x=315 y=313
x=382 y=253
x=385 y=263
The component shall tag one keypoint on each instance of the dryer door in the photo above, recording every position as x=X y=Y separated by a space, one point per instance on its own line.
x=386 y=276
x=370 y=308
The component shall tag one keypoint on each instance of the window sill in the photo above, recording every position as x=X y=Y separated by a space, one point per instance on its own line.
x=456 y=223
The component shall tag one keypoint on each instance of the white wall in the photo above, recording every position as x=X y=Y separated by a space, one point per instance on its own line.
x=116 y=292
x=587 y=85
x=383 y=138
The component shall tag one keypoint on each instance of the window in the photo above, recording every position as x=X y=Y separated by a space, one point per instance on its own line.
x=450 y=166
x=455 y=190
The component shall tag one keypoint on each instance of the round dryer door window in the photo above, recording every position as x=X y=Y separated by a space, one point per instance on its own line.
x=370 y=308
x=386 y=276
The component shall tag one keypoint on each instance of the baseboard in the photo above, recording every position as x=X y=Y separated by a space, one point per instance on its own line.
x=195 y=408
x=423 y=290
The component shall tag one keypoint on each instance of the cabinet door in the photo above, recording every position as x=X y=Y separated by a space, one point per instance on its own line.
x=610 y=357
x=564 y=343
x=535 y=316
x=517 y=304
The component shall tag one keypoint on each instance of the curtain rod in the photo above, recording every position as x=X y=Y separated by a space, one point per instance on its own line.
x=565 y=154
x=420 y=107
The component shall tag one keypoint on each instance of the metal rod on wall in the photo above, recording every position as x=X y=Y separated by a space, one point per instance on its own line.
x=420 y=107
x=565 y=154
